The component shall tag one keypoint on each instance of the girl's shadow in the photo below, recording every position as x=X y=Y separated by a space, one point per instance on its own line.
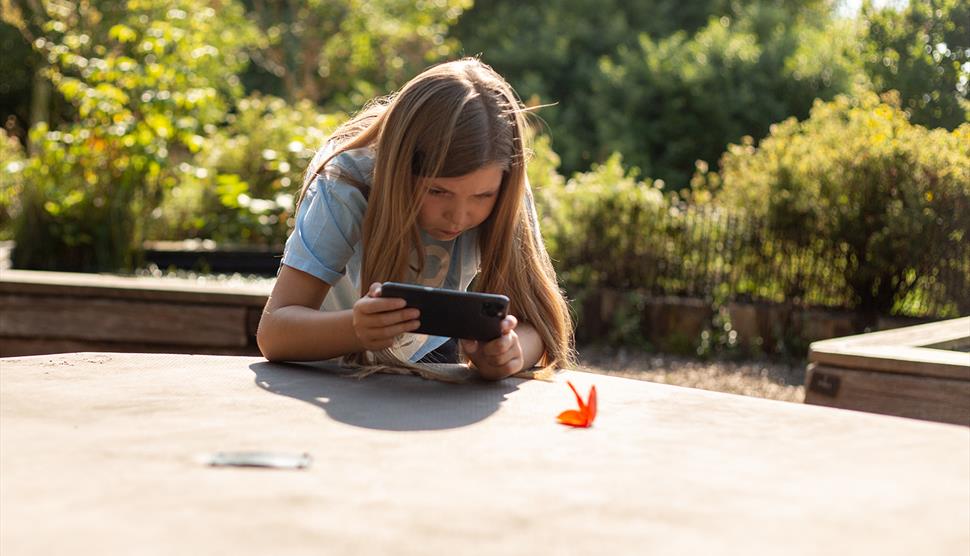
x=384 y=401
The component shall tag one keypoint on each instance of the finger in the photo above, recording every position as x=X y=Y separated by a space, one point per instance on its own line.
x=500 y=345
x=390 y=318
x=514 y=365
x=373 y=305
x=469 y=346
x=504 y=358
x=498 y=372
x=389 y=333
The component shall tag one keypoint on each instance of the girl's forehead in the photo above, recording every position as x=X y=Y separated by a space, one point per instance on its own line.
x=486 y=178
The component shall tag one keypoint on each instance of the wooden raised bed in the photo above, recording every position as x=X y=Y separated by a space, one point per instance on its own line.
x=920 y=371
x=53 y=312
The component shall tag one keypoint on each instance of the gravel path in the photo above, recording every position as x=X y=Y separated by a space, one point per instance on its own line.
x=763 y=379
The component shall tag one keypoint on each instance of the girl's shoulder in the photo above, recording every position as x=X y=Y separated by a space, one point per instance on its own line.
x=354 y=168
x=349 y=173
x=358 y=163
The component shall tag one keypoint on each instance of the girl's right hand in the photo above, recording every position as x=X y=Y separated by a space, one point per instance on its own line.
x=378 y=321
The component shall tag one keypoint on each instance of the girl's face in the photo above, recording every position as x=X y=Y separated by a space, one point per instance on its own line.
x=453 y=205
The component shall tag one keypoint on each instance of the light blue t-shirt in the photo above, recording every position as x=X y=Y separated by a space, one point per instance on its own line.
x=326 y=243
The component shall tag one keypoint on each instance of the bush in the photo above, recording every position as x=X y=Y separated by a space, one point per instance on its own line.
x=11 y=182
x=247 y=176
x=148 y=82
x=594 y=225
x=85 y=198
x=884 y=201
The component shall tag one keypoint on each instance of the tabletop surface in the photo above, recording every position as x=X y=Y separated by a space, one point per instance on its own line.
x=106 y=453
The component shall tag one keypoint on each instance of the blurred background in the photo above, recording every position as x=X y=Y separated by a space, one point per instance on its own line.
x=788 y=156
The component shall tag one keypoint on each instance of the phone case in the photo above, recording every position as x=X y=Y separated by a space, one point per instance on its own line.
x=452 y=313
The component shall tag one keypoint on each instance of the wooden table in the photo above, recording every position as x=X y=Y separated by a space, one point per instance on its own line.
x=105 y=454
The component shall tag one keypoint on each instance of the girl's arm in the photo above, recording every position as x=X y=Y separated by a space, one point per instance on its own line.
x=292 y=328
x=532 y=346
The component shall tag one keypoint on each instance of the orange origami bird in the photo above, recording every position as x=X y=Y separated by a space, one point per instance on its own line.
x=586 y=413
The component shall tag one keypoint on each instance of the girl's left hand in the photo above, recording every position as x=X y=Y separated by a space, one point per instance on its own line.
x=497 y=358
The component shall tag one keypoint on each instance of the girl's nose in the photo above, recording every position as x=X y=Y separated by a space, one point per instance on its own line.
x=456 y=215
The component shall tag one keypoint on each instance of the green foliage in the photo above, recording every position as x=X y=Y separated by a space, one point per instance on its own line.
x=148 y=82
x=15 y=66
x=664 y=83
x=885 y=201
x=247 y=175
x=342 y=53
x=590 y=219
x=566 y=39
x=81 y=197
x=923 y=52
x=689 y=96
x=11 y=182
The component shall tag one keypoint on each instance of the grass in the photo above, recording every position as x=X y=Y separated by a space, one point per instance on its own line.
x=762 y=379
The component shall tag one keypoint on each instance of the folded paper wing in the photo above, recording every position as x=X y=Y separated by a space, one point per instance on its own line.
x=582 y=417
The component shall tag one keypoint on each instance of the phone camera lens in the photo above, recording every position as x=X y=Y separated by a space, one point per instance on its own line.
x=492 y=309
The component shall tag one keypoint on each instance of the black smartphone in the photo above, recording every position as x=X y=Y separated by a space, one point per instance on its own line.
x=452 y=313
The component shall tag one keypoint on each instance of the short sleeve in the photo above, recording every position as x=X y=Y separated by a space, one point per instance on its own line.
x=327 y=231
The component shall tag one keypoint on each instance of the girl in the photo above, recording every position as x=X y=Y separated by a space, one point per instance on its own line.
x=426 y=186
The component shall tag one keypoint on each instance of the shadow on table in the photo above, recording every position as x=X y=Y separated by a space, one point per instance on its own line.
x=384 y=401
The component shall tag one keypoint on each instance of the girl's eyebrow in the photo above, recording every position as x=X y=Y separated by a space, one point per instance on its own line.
x=485 y=191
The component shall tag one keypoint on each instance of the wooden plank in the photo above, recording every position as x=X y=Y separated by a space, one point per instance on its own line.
x=219 y=292
x=935 y=399
x=918 y=335
x=20 y=347
x=901 y=351
x=122 y=321
x=900 y=359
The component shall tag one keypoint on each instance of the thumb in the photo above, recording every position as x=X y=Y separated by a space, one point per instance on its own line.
x=509 y=323
x=375 y=290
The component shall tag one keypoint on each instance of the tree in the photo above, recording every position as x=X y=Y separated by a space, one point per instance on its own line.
x=628 y=76
x=923 y=52
x=550 y=51
x=668 y=103
x=344 y=52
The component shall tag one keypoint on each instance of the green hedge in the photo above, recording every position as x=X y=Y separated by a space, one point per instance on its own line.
x=886 y=200
x=853 y=208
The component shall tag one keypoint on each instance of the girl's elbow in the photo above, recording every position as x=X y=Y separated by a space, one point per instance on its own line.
x=265 y=348
x=264 y=340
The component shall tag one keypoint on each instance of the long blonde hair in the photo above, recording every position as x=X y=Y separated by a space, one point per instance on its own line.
x=451 y=120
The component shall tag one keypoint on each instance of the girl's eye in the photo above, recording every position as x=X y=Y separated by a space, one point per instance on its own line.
x=438 y=192
x=488 y=195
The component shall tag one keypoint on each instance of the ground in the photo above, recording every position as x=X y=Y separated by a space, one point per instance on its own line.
x=763 y=379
